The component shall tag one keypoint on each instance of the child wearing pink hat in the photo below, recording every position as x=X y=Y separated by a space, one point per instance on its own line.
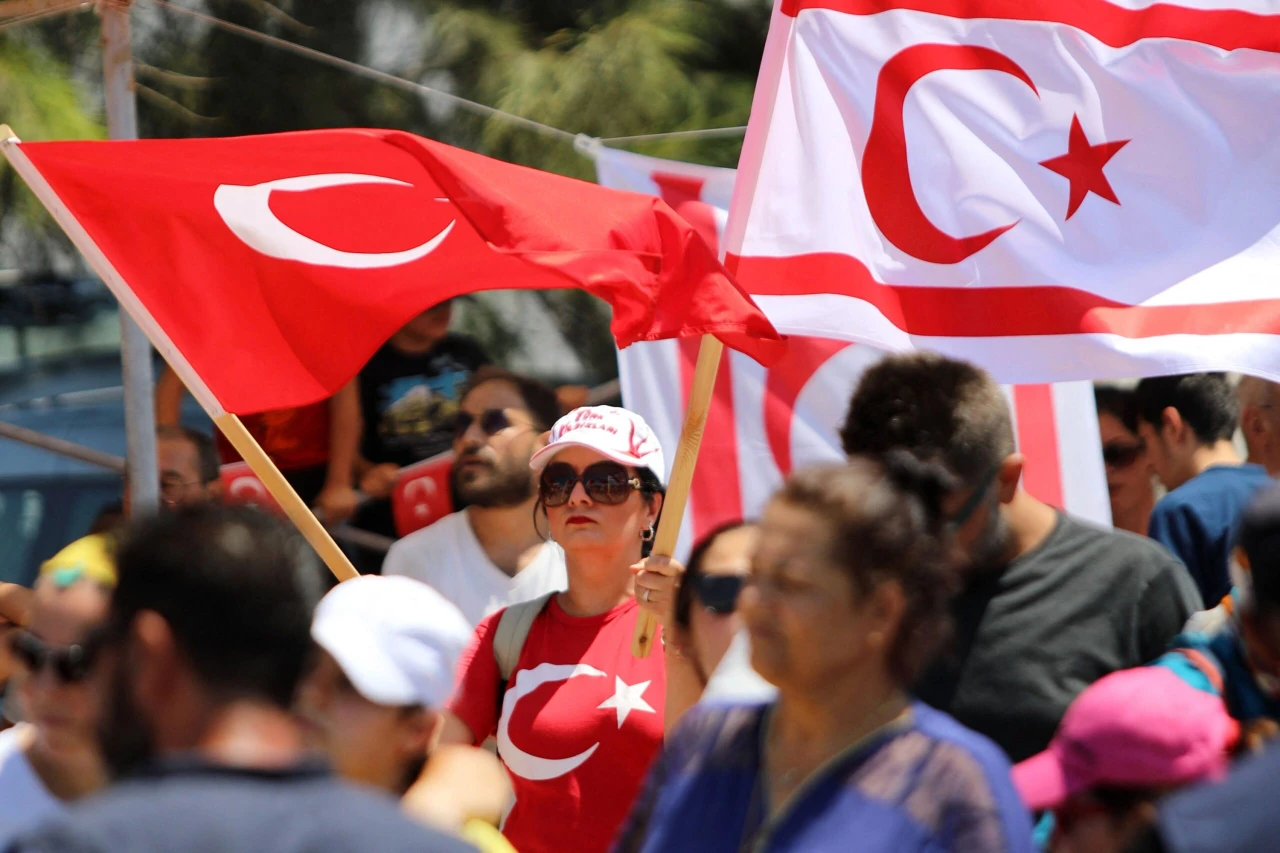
x=1124 y=742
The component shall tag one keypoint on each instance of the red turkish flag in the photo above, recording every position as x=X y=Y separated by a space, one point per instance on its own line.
x=274 y=266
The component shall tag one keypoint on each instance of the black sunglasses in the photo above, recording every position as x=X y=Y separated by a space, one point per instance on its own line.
x=975 y=499
x=605 y=483
x=70 y=664
x=719 y=593
x=1120 y=454
x=492 y=422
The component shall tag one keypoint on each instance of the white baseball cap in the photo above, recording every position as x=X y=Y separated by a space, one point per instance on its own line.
x=614 y=433
x=396 y=639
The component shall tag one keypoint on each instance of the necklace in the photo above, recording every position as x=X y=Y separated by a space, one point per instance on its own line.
x=788 y=773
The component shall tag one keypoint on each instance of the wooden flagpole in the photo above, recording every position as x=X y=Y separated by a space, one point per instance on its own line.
x=294 y=507
x=695 y=421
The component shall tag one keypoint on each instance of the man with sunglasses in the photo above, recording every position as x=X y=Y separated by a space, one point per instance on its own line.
x=53 y=758
x=1050 y=604
x=1130 y=478
x=490 y=554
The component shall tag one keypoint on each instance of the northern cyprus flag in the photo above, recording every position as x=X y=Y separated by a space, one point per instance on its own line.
x=1054 y=189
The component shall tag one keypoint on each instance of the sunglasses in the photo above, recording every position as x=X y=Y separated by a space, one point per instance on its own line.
x=69 y=664
x=605 y=483
x=974 y=500
x=492 y=422
x=1120 y=454
x=719 y=593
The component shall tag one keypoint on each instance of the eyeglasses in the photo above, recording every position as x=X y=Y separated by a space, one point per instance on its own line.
x=492 y=422
x=70 y=664
x=974 y=500
x=173 y=488
x=1119 y=454
x=605 y=483
x=719 y=593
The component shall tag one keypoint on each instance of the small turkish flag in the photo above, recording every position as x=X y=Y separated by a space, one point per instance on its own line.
x=274 y=266
x=422 y=494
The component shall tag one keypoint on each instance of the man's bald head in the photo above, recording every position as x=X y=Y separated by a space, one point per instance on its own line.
x=1260 y=421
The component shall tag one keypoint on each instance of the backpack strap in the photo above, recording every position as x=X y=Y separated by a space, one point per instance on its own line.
x=514 y=625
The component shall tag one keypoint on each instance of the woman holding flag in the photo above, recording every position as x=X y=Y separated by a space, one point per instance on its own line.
x=578 y=719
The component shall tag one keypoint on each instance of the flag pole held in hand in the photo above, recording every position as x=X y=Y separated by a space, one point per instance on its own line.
x=678 y=485
x=294 y=507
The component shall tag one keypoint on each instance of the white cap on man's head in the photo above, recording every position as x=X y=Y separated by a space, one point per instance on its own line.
x=396 y=639
x=614 y=433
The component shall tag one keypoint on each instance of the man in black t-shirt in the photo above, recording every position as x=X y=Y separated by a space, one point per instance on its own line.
x=206 y=639
x=1050 y=604
x=399 y=410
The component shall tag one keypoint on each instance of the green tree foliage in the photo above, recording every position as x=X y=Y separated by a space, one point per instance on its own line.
x=605 y=69
x=39 y=101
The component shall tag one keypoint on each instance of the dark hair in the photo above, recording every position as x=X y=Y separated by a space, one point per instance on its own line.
x=1120 y=403
x=210 y=465
x=650 y=485
x=693 y=569
x=416 y=763
x=886 y=523
x=1204 y=400
x=934 y=408
x=237 y=589
x=1119 y=801
x=1258 y=536
x=539 y=400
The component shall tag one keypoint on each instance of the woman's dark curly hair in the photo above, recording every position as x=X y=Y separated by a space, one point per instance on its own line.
x=886 y=523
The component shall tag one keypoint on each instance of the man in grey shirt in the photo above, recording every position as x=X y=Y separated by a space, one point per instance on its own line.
x=1050 y=604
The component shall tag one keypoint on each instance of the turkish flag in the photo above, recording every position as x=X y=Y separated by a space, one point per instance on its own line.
x=423 y=494
x=1055 y=190
x=763 y=423
x=274 y=266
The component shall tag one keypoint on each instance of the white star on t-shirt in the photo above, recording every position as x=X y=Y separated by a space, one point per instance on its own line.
x=627 y=698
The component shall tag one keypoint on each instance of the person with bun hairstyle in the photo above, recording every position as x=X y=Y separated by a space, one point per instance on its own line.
x=846 y=602
x=578 y=719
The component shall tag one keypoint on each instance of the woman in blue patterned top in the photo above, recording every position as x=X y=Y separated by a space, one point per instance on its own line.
x=846 y=602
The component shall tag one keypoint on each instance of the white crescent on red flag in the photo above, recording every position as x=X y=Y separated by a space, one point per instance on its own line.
x=1054 y=189
x=763 y=422
x=268 y=269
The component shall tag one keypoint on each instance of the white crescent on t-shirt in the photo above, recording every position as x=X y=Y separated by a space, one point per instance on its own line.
x=24 y=800
x=447 y=556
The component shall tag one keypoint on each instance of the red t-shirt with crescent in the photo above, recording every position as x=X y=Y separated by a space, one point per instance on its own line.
x=580 y=723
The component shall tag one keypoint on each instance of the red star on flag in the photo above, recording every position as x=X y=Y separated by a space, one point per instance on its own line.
x=1082 y=166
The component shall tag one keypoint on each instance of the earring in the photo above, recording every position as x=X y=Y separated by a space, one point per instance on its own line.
x=646 y=535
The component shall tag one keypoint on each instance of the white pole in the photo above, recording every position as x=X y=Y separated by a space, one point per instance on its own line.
x=135 y=351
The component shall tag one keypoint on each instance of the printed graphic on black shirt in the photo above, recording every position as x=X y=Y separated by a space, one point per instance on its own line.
x=410 y=402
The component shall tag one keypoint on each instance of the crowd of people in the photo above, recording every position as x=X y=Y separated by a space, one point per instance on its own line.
x=904 y=652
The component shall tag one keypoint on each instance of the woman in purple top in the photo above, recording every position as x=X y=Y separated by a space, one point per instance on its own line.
x=847 y=600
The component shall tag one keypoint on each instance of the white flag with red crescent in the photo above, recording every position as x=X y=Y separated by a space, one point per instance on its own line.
x=1054 y=189
x=765 y=422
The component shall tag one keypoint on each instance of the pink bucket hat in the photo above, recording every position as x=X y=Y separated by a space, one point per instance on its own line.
x=614 y=433
x=1137 y=728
